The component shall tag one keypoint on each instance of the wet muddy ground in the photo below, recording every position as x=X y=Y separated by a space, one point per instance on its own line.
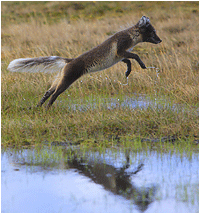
x=70 y=179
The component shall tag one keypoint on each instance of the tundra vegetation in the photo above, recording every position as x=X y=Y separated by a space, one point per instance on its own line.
x=33 y=29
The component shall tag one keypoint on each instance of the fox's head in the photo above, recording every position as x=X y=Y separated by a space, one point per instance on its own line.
x=147 y=31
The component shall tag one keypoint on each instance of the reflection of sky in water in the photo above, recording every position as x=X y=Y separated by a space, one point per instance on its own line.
x=138 y=101
x=111 y=103
x=48 y=189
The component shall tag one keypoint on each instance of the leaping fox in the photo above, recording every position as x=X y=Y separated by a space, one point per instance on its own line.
x=111 y=51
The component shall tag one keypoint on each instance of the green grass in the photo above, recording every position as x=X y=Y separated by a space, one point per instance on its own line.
x=62 y=124
x=32 y=29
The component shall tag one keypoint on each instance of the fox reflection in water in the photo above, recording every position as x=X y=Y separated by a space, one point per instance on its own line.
x=116 y=180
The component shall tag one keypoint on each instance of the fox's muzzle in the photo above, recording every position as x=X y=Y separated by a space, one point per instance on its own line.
x=154 y=40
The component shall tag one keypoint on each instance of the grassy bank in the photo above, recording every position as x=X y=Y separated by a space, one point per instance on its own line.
x=32 y=29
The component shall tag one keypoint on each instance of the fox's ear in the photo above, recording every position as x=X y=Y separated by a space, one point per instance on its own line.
x=144 y=22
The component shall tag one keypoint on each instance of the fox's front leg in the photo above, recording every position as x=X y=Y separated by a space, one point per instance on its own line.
x=128 y=55
x=128 y=63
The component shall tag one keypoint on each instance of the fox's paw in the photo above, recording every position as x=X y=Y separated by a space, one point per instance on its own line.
x=143 y=66
x=127 y=73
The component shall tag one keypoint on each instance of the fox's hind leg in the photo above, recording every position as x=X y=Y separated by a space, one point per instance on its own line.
x=46 y=96
x=69 y=74
x=50 y=91
x=60 y=88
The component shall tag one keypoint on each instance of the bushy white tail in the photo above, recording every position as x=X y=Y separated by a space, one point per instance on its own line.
x=48 y=64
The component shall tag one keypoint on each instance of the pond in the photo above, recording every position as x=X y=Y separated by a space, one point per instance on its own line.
x=73 y=179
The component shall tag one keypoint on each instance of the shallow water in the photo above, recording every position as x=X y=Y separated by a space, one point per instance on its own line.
x=60 y=179
x=136 y=101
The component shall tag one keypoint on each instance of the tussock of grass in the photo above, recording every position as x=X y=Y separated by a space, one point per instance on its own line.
x=51 y=31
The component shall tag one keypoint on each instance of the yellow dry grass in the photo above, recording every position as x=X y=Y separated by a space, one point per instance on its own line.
x=177 y=58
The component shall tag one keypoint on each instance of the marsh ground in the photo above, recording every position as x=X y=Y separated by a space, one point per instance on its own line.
x=32 y=29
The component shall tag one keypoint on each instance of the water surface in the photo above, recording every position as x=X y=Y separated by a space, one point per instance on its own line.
x=61 y=179
x=140 y=101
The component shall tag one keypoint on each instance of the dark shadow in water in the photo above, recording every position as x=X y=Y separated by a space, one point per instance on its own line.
x=116 y=180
